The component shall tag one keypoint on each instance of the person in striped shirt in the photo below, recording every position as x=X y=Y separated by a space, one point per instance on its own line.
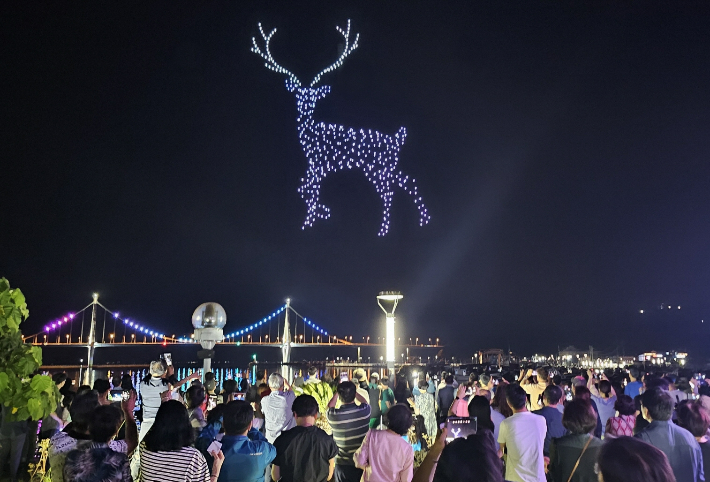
x=350 y=424
x=167 y=454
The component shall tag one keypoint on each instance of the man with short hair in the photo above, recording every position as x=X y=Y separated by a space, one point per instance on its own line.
x=350 y=424
x=679 y=445
x=648 y=384
x=551 y=397
x=485 y=382
x=81 y=411
x=277 y=407
x=102 y=387
x=246 y=451
x=322 y=392
x=445 y=398
x=304 y=453
x=253 y=392
x=523 y=434
x=633 y=388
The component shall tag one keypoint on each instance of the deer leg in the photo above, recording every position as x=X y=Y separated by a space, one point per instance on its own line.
x=409 y=186
x=386 y=195
x=310 y=192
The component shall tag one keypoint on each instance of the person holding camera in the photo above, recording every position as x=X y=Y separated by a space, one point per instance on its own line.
x=154 y=390
x=523 y=435
x=534 y=382
x=82 y=414
x=350 y=423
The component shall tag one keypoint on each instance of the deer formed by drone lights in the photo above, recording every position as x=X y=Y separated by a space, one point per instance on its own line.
x=331 y=147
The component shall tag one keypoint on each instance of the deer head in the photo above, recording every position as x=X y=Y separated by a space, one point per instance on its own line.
x=306 y=97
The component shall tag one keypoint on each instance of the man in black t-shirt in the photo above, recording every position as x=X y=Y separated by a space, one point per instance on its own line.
x=305 y=453
x=252 y=394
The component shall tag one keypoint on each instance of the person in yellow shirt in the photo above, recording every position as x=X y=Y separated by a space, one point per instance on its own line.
x=533 y=389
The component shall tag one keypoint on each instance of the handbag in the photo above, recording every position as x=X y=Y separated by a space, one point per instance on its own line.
x=576 y=464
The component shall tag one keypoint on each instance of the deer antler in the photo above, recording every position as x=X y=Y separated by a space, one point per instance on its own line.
x=266 y=55
x=346 y=51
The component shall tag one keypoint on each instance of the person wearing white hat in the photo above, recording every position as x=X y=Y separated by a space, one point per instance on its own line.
x=154 y=390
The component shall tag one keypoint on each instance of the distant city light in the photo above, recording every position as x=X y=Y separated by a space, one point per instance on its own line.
x=641 y=311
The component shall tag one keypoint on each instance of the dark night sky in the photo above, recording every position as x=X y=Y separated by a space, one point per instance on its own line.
x=562 y=149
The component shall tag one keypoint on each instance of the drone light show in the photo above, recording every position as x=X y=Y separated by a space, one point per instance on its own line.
x=331 y=147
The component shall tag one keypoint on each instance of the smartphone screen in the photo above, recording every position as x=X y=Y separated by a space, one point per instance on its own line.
x=214 y=447
x=344 y=377
x=168 y=359
x=460 y=427
x=240 y=396
x=115 y=395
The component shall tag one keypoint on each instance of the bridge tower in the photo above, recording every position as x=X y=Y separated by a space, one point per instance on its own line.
x=286 y=344
x=89 y=375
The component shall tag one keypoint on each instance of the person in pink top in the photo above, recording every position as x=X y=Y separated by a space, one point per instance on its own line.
x=622 y=425
x=385 y=456
x=460 y=406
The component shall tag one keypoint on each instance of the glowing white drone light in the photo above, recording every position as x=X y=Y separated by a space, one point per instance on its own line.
x=331 y=147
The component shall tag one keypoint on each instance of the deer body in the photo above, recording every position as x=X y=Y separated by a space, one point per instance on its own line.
x=331 y=147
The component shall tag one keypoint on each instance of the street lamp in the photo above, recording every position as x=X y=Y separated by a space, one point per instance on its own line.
x=388 y=297
x=208 y=320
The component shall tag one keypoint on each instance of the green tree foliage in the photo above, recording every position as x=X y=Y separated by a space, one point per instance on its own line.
x=22 y=393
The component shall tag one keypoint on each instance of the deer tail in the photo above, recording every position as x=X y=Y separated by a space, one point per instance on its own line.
x=400 y=136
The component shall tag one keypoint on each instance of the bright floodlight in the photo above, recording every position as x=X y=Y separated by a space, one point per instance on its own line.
x=390 y=296
x=209 y=315
x=394 y=297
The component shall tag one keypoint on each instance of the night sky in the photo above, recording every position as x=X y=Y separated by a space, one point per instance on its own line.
x=562 y=149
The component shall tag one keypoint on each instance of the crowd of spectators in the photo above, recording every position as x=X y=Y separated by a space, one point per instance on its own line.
x=533 y=426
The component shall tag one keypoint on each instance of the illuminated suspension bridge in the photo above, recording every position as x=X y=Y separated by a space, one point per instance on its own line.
x=110 y=329
x=96 y=326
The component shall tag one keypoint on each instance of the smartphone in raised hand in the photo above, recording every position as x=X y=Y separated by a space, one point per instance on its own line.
x=460 y=427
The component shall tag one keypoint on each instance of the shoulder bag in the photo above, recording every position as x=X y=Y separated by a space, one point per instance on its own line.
x=576 y=464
